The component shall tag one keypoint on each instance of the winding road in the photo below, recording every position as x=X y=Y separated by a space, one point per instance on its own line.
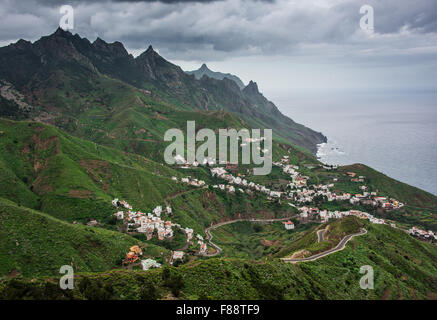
x=218 y=250
x=320 y=234
x=340 y=246
x=320 y=237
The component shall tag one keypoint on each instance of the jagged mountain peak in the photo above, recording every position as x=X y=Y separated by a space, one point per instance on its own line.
x=22 y=44
x=251 y=88
x=61 y=33
x=116 y=48
x=150 y=52
x=99 y=41
x=205 y=71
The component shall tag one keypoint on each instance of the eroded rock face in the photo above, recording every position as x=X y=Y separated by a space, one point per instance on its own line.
x=8 y=92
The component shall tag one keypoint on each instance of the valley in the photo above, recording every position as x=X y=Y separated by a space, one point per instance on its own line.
x=84 y=183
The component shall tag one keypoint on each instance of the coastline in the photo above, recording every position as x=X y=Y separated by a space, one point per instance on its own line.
x=331 y=153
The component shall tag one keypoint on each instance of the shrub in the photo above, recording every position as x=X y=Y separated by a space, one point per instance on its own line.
x=149 y=292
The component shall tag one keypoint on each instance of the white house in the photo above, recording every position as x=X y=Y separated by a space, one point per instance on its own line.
x=178 y=255
x=203 y=247
x=120 y=215
x=149 y=263
x=289 y=225
x=218 y=171
x=189 y=232
x=142 y=229
x=275 y=194
x=157 y=211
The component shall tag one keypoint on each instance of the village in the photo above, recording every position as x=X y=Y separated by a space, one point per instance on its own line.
x=152 y=224
x=422 y=234
x=300 y=194
x=299 y=191
x=157 y=223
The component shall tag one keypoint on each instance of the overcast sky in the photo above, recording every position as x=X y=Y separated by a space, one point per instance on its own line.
x=281 y=44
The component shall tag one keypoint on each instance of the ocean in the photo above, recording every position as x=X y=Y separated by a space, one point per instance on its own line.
x=394 y=132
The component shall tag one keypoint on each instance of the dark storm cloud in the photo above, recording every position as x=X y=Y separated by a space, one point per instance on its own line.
x=217 y=29
x=60 y=2
x=420 y=16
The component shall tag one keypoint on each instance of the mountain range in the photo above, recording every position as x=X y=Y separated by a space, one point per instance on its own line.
x=57 y=73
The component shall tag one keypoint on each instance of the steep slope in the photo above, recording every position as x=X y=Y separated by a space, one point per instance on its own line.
x=46 y=169
x=205 y=71
x=66 y=77
x=35 y=244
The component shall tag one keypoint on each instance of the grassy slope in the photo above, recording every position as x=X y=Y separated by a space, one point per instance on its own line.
x=44 y=168
x=334 y=232
x=255 y=241
x=111 y=112
x=34 y=244
x=405 y=268
x=199 y=208
x=118 y=115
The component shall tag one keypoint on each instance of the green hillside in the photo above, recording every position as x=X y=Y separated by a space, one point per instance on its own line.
x=413 y=196
x=405 y=268
x=307 y=242
x=36 y=244
x=47 y=170
x=420 y=208
x=248 y=240
x=75 y=180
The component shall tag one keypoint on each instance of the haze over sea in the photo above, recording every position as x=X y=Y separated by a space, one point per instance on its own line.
x=394 y=132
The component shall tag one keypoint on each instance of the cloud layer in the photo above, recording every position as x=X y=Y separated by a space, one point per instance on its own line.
x=405 y=31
